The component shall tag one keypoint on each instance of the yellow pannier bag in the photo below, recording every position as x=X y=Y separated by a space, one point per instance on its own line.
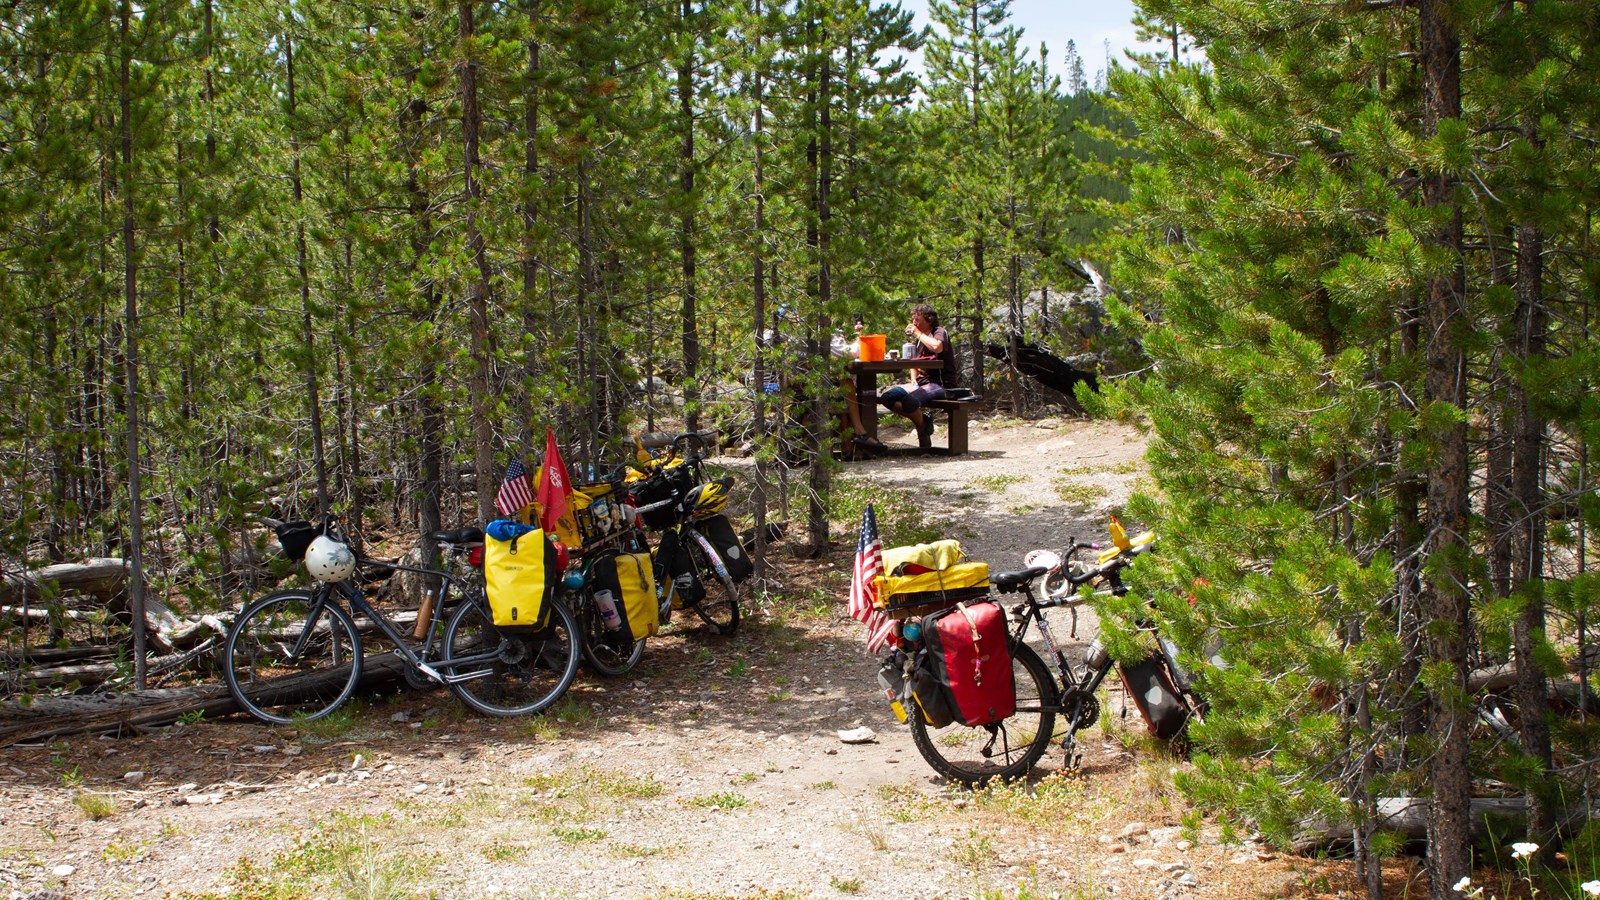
x=926 y=578
x=518 y=574
x=631 y=581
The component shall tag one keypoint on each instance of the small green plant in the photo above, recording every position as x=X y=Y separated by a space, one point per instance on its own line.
x=500 y=851
x=95 y=806
x=721 y=800
x=973 y=852
x=622 y=786
x=824 y=786
x=71 y=778
x=640 y=851
x=846 y=885
x=571 y=711
x=779 y=697
x=540 y=728
x=118 y=852
x=746 y=777
x=330 y=727
x=739 y=668
x=703 y=656
x=573 y=834
x=192 y=717
x=998 y=483
x=1079 y=494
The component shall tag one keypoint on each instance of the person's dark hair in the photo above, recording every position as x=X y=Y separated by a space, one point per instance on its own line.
x=927 y=313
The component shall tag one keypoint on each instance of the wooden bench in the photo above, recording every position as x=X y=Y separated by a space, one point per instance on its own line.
x=956 y=411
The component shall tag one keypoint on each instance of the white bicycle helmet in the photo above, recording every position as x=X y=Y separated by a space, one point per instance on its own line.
x=330 y=560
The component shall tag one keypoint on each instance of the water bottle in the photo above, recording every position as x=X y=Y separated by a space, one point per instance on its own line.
x=608 y=609
x=573 y=580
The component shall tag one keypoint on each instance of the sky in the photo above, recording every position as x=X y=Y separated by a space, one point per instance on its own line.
x=1089 y=23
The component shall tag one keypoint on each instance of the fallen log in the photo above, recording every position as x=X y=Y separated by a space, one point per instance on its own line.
x=101 y=577
x=52 y=717
x=1408 y=816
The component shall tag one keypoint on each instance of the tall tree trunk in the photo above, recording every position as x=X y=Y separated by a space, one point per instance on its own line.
x=430 y=435
x=758 y=374
x=130 y=336
x=478 y=302
x=307 y=332
x=1527 y=556
x=1445 y=382
x=689 y=315
x=530 y=229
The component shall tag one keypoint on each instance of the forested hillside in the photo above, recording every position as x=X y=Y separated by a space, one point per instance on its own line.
x=266 y=260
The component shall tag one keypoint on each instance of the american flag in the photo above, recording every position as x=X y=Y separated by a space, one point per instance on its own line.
x=863 y=584
x=516 y=491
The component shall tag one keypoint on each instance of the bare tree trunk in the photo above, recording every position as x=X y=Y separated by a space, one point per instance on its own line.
x=530 y=227
x=1527 y=556
x=130 y=296
x=758 y=374
x=478 y=302
x=689 y=315
x=1445 y=594
x=307 y=332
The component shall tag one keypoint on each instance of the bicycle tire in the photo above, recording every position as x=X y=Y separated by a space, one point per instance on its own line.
x=606 y=652
x=718 y=606
x=264 y=677
x=969 y=755
x=509 y=671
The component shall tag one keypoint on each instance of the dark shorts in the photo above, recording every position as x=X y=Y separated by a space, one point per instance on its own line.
x=911 y=399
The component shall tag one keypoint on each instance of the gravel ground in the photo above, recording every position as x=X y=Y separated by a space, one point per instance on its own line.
x=714 y=770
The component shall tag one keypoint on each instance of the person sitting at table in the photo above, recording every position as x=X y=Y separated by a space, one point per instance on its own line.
x=908 y=399
x=851 y=416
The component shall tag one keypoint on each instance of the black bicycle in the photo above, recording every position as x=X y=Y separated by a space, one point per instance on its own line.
x=690 y=569
x=297 y=655
x=1009 y=749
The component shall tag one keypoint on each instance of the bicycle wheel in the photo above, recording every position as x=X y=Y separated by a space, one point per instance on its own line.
x=1004 y=750
x=607 y=652
x=720 y=605
x=509 y=671
x=270 y=680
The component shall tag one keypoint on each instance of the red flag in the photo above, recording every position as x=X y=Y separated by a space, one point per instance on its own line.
x=554 y=485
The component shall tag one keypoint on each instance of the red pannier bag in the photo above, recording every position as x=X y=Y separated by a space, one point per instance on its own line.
x=967 y=647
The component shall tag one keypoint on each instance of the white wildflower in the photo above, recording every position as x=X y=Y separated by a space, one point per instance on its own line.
x=1592 y=888
x=1462 y=885
x=1522 y=849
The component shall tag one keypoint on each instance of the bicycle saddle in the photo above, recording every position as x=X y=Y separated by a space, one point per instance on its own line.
x=1012 y=582
x=468 y=535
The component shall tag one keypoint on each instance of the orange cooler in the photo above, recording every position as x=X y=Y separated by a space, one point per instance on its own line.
x=871 y=347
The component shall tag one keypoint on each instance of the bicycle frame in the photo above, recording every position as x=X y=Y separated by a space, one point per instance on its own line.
x=1077 y=686
x=359 y=605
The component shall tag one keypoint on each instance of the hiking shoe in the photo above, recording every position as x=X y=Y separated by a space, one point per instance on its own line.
x=925 y=433
x=869 y=444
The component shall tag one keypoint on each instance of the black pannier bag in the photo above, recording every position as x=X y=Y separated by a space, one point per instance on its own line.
x=688 y=590
x=671 y=483
x=719 y=531
x=929 y=694
x=296 y=536
x=1155 y=695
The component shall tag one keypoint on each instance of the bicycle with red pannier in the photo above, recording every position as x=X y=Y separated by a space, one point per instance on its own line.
x=981 y=702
